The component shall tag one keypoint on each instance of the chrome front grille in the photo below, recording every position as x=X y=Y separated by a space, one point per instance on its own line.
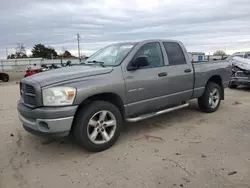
x=28 y=95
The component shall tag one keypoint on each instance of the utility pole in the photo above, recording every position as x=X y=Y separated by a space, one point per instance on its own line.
x=78 y=42
x=6 y=53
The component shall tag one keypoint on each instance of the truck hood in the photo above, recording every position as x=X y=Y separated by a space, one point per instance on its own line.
x=67 y=73
x=242 y=63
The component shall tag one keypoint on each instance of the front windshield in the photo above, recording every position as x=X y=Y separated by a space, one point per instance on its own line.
x=111 y=55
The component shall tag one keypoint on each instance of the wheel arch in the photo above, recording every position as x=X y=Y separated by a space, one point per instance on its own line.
x=113 y=98
x=217 y=80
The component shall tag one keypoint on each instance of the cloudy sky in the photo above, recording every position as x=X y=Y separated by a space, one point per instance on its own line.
x=202 y=25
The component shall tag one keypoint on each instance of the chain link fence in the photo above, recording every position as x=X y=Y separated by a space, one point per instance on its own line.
x=20 y=65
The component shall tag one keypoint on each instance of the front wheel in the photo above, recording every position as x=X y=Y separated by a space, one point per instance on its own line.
x=211 y=98
x=97 y=126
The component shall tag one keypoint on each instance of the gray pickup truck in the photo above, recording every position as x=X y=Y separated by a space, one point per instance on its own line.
x=122 y=82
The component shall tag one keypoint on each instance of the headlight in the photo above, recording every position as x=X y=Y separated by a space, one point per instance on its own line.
x=58 y=96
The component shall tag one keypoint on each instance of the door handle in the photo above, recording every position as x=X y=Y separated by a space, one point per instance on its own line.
x=162 y=74
x=187 y=70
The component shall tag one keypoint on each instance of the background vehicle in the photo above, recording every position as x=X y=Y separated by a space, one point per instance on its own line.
x=125 y=81
x=30 y=71
x=240 y=72
x=34 y=70
x=4 y=77
x=45 y=67
x=241 y=54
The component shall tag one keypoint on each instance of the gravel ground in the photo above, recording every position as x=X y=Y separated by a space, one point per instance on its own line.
x=186 y=148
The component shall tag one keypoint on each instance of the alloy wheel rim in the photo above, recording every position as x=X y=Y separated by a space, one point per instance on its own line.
x=214 y=98
x=101 y=127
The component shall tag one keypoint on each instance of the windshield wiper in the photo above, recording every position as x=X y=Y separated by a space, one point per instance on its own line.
x=97 y=62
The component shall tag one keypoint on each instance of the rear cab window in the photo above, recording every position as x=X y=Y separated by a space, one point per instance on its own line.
x=174 y=53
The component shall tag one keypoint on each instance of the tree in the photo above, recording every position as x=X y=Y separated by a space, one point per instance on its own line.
x=51 y=53
x=20 y=52
x=11 y=56
x=219 y=52
x=65 y=54
x=40 y=50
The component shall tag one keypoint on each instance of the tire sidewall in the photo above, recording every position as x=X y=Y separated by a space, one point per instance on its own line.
x=232 y=86
x=208 y=90
x=5 y=78
x=82 y=120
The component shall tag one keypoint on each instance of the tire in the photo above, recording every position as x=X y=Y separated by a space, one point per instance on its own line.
x=206 y=103
x=232 y=86
x=5 y=77
x=83 y=129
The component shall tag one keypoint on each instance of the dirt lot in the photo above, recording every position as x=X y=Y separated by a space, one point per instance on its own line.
x=185 y=148
x=14 y=75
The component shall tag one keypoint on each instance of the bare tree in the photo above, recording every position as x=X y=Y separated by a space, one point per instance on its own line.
x=219 y=52
x=20 y=52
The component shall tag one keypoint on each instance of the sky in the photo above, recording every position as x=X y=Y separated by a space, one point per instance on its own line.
x=202 y=25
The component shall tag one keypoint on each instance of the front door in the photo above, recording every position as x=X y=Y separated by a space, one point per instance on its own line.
x=145 y=86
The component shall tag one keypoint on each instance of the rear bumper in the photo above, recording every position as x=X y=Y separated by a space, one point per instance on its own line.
x=240 y=81
x=44 y=121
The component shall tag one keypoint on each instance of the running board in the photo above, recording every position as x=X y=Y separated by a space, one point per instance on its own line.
x=146 y=116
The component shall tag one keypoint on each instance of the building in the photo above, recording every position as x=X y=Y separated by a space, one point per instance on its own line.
x=197 y=56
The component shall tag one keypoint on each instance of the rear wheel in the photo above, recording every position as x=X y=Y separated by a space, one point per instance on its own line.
x=97 y=126
x=211 y=98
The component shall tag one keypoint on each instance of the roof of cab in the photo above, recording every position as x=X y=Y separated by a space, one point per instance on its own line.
x=160 y=40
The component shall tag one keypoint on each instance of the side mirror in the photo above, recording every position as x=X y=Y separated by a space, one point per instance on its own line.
x=141 y=61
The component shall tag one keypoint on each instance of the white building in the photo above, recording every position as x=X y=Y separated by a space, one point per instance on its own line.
x=197 y=56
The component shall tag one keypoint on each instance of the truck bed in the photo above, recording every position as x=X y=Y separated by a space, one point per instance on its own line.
x=205 y=70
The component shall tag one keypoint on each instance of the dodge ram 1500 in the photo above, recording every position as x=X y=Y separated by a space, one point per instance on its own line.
x=128 y=81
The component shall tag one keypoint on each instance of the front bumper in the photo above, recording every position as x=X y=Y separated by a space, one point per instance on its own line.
x=47 y=121
x=240 y=81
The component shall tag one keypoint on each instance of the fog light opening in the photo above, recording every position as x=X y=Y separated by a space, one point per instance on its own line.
x=43 y=126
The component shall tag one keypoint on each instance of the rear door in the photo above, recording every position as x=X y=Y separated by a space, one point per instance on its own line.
x=180 y=73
